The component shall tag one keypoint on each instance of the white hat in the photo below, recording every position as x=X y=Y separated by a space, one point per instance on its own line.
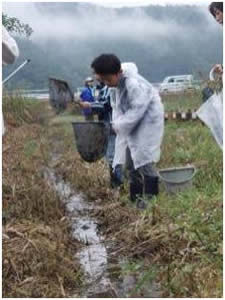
x=88 y=79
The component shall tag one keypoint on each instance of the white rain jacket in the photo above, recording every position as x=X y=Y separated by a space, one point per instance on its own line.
x=138 y=118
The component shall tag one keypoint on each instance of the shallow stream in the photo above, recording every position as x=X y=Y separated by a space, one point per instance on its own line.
x=94 y=255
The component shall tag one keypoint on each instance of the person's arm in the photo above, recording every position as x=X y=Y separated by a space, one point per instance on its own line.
x=84 y=104
x=85 y=99
x=139 y=99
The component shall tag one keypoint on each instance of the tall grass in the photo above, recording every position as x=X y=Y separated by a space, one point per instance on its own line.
x=182 y=101
x=19 y=110
x=37 y=248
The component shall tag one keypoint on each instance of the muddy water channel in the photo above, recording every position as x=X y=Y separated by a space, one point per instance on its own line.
x=95 y=254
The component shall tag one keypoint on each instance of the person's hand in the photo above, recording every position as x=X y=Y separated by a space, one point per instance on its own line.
x=216 y=72
x=115 y=130
x=218 y=69
x=85 y=104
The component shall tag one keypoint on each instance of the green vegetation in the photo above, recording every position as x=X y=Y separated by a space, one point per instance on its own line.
x=182 y=102
x=176 y=242
x=13 y=24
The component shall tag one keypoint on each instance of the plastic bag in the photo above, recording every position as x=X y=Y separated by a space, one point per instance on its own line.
x=211 y=113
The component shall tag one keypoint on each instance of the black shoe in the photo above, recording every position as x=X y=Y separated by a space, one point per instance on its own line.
x=136 y=191
x=141 y=204
x=151 y=186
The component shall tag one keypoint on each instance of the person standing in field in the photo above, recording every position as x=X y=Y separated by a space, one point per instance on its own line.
x=87 y=96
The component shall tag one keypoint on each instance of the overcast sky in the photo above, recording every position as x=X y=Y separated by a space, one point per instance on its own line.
x=64 y=26
x=25 y=11
x=120 y=3
x=77 y=30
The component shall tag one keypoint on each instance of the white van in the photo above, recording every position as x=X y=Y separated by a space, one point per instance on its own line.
x=177 y=83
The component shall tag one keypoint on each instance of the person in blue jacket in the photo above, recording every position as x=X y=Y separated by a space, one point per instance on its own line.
x=87 y=95
x=104 y=97
x=103 y=109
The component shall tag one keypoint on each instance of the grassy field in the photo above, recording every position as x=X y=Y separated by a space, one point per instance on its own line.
x=182 y=101
x=177 y=241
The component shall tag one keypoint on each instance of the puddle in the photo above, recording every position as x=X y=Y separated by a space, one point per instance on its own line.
x=93 y=255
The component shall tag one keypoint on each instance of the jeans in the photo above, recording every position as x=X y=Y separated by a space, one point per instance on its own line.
x=110 y=152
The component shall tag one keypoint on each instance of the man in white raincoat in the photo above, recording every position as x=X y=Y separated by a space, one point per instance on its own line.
x=10 y=52
x=138 y=120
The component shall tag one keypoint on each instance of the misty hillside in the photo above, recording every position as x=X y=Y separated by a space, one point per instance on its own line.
x=161 y=40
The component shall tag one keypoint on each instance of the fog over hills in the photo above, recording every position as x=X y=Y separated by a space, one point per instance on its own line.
x=161 y=40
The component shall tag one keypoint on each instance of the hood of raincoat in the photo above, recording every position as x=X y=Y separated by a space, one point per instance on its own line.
x=129 y=69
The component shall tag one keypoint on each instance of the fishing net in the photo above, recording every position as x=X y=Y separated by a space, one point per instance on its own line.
x=91 y=139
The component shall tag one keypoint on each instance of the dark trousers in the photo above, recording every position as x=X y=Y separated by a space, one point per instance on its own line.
x=143 y=181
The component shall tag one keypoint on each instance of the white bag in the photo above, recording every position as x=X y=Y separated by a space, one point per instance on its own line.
x=211 y=113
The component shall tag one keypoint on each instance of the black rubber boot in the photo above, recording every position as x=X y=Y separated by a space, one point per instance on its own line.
x=136 y=191
x=116 y=176
x=151 y=186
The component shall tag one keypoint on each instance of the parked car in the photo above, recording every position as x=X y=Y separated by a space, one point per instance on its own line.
x=177 y=83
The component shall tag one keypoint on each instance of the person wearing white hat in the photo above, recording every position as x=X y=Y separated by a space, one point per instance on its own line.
x=87 y=96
